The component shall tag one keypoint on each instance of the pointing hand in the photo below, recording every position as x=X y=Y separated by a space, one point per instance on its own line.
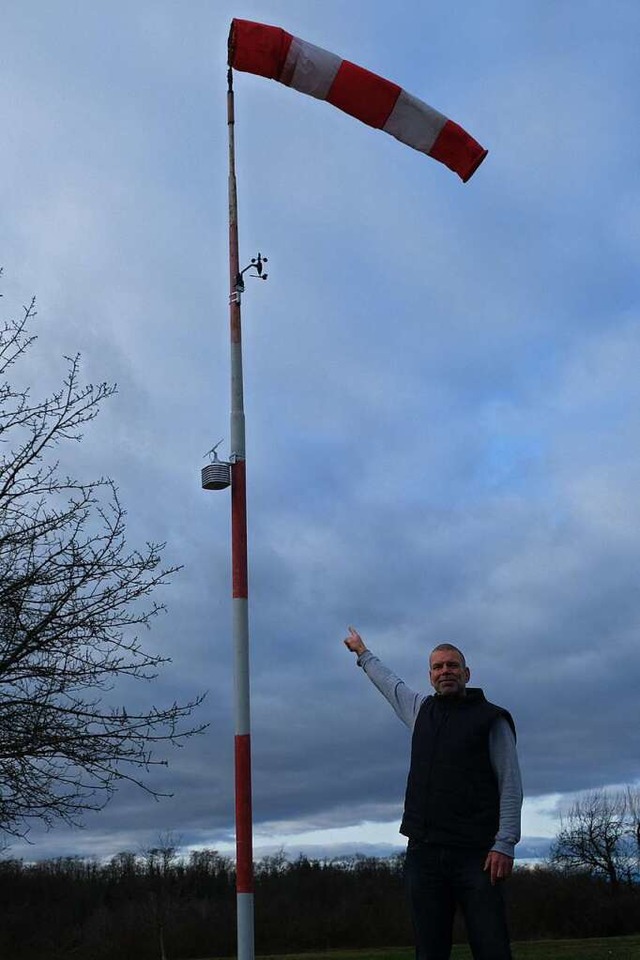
x=354 y=642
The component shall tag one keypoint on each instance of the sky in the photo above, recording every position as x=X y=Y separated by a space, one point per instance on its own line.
x=441 y=383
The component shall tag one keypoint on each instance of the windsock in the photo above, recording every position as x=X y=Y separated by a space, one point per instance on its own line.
x=272 y=52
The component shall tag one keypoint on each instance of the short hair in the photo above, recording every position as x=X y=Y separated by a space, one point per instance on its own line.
x=449 y=646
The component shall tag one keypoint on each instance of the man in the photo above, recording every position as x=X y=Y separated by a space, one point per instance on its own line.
x=462 y=803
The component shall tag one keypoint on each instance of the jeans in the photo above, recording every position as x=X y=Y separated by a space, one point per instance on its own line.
x=437 y=878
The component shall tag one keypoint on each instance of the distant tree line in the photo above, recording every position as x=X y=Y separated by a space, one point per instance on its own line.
x=157 y=905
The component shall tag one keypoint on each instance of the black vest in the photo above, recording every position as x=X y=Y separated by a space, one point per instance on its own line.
x=452 y=793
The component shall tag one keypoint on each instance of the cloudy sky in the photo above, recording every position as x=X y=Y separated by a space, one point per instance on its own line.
x=441 y=380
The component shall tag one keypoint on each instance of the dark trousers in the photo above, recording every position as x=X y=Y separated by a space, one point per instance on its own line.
x=439 y=877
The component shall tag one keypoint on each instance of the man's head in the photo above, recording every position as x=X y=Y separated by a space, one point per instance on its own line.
x=448 y=671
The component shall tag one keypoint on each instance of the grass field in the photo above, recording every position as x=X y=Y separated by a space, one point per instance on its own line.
x=612 y=948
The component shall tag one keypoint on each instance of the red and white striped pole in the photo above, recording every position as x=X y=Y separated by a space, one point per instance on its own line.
x=240 y=588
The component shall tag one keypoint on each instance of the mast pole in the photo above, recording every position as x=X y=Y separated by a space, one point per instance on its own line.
x=240 y=589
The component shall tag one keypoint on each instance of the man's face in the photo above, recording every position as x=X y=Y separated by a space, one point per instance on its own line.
x=447 y=674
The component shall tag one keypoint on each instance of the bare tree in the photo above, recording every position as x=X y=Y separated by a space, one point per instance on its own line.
x=72 y=597
x=159 y=862
x=595 y=837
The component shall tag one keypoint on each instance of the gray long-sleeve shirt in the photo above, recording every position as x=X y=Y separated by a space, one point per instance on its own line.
x=502 y=747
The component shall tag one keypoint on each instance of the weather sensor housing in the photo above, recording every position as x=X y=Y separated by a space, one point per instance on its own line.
x=217 y=474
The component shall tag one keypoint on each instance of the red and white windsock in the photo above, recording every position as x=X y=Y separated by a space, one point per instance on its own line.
x=274 y=53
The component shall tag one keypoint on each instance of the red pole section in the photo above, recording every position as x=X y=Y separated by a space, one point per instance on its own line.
x=240 y=587
x=244 y=845
x=239 y=560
